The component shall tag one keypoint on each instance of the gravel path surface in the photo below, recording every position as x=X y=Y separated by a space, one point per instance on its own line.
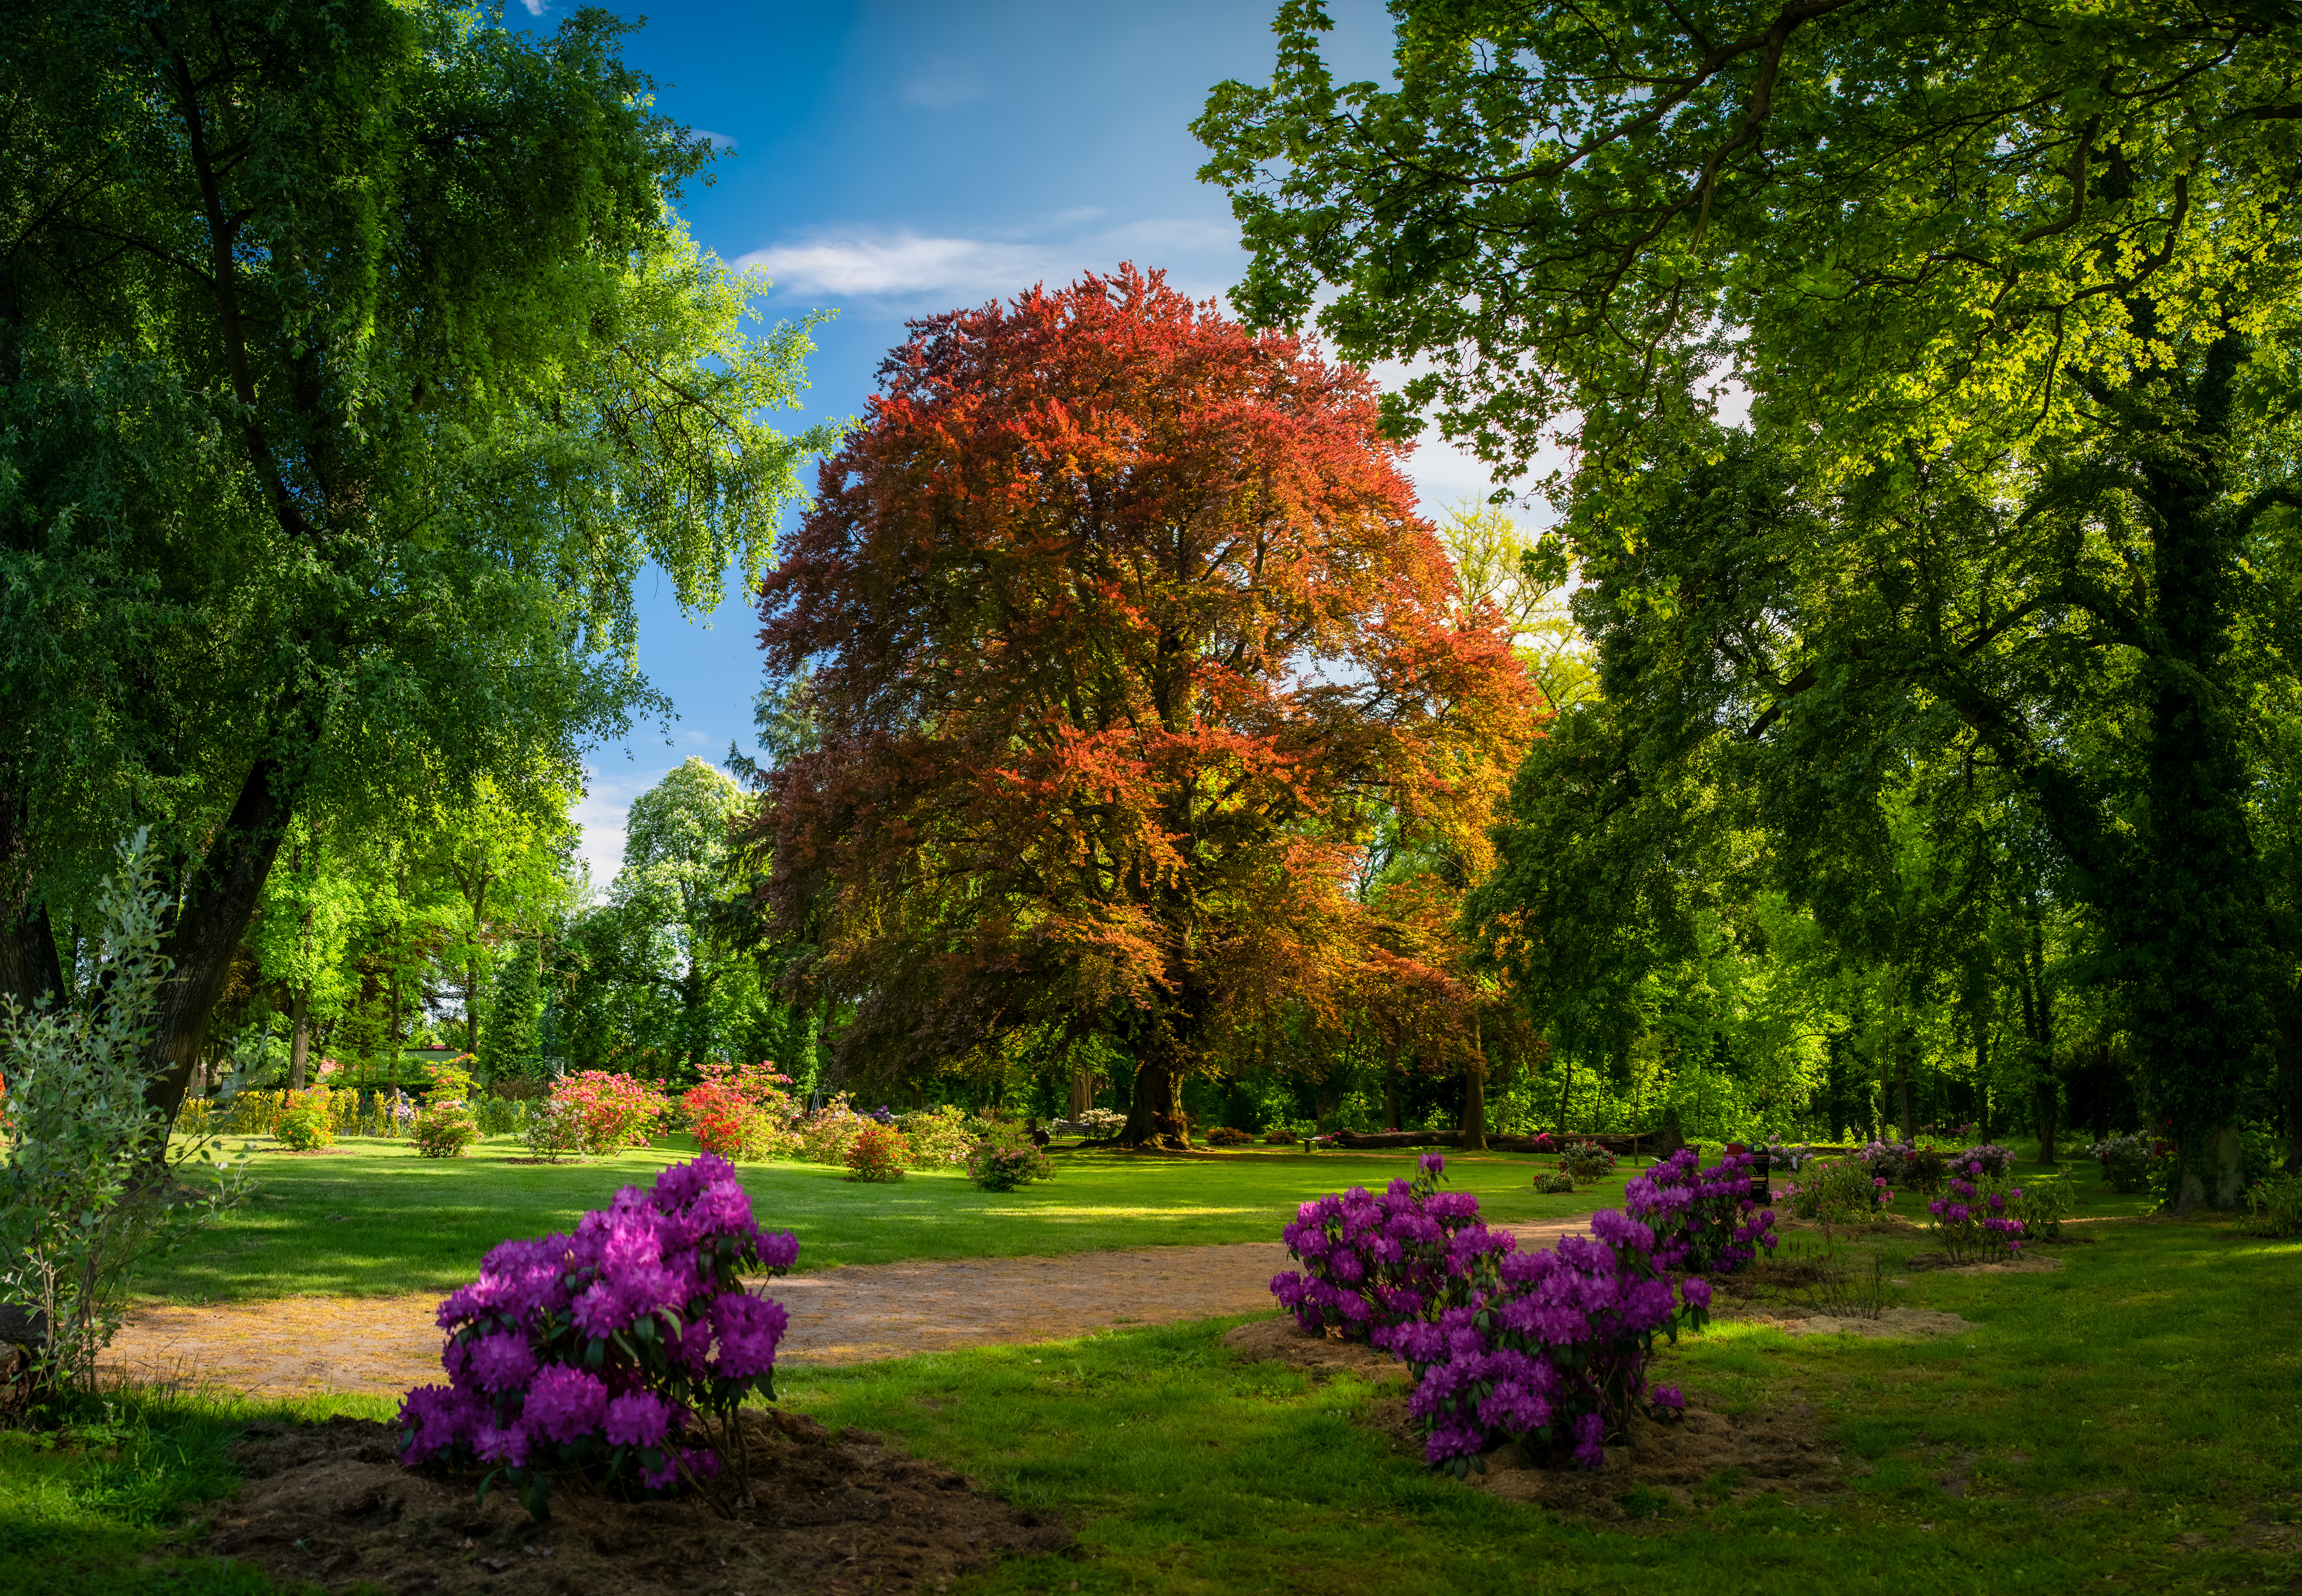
x=300 y=1346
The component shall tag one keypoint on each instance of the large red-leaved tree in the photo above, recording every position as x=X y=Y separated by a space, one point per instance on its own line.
x=1123 y=639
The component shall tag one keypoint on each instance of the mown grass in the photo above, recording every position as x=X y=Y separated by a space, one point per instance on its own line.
x=2130 y=1421
x=374 y=1218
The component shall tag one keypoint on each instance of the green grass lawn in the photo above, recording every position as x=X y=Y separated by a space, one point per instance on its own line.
x=375 y=1218
x=2130 y=1423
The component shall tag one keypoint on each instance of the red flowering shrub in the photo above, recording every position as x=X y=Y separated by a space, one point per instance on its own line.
x=878 y=1153
x=741 y=1111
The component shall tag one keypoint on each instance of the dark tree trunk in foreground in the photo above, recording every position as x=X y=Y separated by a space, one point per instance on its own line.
x=225 y=887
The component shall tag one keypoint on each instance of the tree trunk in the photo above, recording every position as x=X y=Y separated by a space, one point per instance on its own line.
x=2045 y=1094
x=1473 y=1125
x=472 y=999
x=2194 y=917
x=1082 y=1093
x=224 y=890
x=1906 y=1043
x=300 y=1041
x=1154 y=1120
x=1566 y=1094
x=1391 y=1090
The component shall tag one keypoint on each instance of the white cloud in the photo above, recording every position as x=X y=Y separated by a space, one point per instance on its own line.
x=717 y=140
x=871 y=263
x=942 y=83
x=534 y=7
x=599 y=814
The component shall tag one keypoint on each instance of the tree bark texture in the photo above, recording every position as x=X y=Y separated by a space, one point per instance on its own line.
x=221 y=901
x=1474 y=1124
x=299 y=1039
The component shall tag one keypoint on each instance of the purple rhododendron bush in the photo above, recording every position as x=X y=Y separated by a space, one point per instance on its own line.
x=1549 y=1349
x=593 y=1355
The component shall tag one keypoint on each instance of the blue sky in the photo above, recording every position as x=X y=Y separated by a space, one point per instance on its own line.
x=891 y=160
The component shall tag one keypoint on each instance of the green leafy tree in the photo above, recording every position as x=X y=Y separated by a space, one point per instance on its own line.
x=2012 y=293
x=418 y=370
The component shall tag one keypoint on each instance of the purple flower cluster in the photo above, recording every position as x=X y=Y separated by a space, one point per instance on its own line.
x=1372 y=1261
x=1994 y=1159
x=1703 y=1220
x=1548 y=1347
x=1555 y=1353
x=592 y=1353
x=1970 y=1221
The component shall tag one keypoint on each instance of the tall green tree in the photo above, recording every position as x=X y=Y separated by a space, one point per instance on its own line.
x=352 y=364
x=2011 y=290
x=673 y=897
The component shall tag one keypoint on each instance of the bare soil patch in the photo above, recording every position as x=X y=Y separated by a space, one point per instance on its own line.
x=1892 y=1324
x=1282 y=1341
x=327 y=1503
x=1944 y=1263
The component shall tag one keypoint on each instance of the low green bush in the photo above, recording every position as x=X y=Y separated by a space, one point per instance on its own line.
x=938 y=1138
x=444 y=1129
x=1553 y=1182
x=1587 y=1161
x=2274 y=1202
x=1279 y=1137
x=1227 y=1136
x=305 y=1129
x=2128 y=1163
x=1004 y=1159
x=2046 y=1202
x=1837 y=1191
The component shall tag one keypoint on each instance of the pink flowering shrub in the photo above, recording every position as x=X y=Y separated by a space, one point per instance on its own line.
x=1703 y=1220
x=592 y=1354
x=1970 y=1221
x=611 y=1112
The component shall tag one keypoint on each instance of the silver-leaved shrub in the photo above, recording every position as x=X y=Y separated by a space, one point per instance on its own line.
x=91 y=1187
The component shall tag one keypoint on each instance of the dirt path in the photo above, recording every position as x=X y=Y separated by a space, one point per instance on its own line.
x=300 y=1346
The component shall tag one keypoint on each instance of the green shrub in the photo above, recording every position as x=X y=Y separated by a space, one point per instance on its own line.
x=1004 y=1159
x=1226 y=1136
x=878 y=1153
x=1838 y=1191
x=1279 y=1137
x=444 y=1129
x=1553 y=1182
x=500 y=1116
x=304 y=1127
x=1587 y=1161
x=2044 y=1203
x=825 y=1136
x=79 y=1211
x=2128 y=1165
x=938 y=1138
x=2275 y=1204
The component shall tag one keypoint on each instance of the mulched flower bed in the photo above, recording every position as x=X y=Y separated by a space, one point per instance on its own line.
x=328 y=1503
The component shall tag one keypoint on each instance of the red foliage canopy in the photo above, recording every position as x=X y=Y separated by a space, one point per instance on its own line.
x=1124 y=637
